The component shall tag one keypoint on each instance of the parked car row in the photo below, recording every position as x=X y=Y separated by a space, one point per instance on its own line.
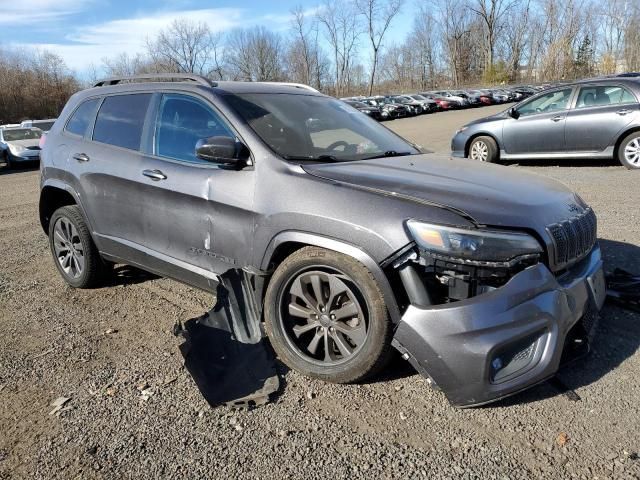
x=389 y=107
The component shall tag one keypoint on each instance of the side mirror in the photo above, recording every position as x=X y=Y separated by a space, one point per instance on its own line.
x=514 y=113
x=225 y=150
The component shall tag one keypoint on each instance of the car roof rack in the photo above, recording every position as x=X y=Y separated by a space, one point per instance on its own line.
x=180 y=77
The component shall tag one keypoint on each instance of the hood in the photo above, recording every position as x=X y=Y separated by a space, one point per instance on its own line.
x=492 y=195
x=498 y=117
x=29 y=142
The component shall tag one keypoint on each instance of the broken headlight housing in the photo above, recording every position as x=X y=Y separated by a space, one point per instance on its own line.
x=457 y=263
x=473 y=246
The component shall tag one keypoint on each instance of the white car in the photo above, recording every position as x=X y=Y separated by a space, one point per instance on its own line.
x=44 y=125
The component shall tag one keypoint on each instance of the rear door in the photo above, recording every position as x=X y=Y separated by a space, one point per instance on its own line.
x=600 y=113
x=540 y=127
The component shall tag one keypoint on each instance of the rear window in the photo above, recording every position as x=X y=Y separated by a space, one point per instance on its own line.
x=79 y=121
x=121 y=119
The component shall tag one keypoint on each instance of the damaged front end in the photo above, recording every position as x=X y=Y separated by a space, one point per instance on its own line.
x=484 y=316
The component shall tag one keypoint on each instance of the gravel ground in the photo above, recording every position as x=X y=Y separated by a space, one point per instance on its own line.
x=101 y=348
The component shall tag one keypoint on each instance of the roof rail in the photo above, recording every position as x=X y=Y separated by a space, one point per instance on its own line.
x=181 y=77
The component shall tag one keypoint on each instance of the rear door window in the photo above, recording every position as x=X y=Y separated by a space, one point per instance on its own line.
x=121 y=119
x=82 y=117
x=182 y=121
x=602 y=95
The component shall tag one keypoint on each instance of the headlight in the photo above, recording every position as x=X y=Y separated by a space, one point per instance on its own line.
x=473 y=245
x=16 y=149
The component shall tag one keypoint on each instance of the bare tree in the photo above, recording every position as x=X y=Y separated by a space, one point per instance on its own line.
x=457 y=25
x=491 y=13
x=517 y=35
x=187 y=46
x=254 y=55
x=378 y=15
x=341 y=23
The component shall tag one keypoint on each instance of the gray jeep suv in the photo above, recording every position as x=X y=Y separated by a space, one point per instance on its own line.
x=343 y=238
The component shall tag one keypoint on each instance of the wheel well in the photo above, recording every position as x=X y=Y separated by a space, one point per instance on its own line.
x=51 y=199
x=473 y=137
x=283 y=251
x=621 y=138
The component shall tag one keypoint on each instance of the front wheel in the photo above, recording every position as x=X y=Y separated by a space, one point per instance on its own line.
x=483 y=149
x=326 y=318
x=629 y=151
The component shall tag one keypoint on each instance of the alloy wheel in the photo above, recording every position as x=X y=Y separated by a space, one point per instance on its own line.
x=479 y=151
x=68 y=247
x=322 y=316
x=632 y=152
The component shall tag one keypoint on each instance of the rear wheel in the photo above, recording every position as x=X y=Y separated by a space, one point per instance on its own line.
x=483 y=149
x=629 y=151
x=74 y=253
x=326 y=318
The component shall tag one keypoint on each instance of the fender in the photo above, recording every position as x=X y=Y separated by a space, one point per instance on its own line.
x=60 y=185
x=339 y=246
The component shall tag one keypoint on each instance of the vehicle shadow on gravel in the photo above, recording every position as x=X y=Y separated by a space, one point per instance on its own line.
x=128 y=275
x=617 y=338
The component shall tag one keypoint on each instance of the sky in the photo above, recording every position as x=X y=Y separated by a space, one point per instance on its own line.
x=84 y=32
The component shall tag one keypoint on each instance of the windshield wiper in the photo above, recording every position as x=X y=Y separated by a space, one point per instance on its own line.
x=389 y=153
x=319 y=158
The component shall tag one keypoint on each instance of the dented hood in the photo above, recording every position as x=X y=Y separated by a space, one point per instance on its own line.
x=489 y=194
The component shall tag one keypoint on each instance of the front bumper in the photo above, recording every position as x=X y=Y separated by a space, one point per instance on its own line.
x=25 y=156
x=458 y=145
x=456 y=345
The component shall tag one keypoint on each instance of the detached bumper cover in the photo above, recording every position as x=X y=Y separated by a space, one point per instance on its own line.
x=528 y=319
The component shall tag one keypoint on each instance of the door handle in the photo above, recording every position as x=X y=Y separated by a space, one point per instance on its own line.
x=81 y=157
x=557 y=118
x=623 y=112
x=154 y=175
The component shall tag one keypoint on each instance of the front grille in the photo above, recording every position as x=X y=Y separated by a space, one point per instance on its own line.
x=33 y=148
x=573 y=238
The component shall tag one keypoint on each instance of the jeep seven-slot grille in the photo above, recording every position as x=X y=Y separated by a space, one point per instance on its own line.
x=573 y=238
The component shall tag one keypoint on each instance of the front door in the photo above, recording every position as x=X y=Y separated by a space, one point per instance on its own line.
x=540 y=126
x=196 y=215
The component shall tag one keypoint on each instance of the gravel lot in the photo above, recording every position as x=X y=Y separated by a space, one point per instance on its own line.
x=100 y=347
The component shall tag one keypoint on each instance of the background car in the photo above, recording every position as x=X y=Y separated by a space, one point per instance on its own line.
x=373 y=112
x=428 y=105
x=589 y=119
x=44 y=125
x=19 y=145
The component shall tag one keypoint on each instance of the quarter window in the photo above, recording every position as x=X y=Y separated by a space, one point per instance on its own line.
x=550 y=102
x=79 y=121
x=601 y=95
x=121 y=119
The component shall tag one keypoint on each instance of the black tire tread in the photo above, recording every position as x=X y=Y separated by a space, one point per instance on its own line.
x=494 y=154
x=96 y=270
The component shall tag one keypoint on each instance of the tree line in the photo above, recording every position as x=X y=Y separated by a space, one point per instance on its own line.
x=345 y=48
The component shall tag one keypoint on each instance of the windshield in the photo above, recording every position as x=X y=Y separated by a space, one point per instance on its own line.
x=21 y=134
x=309 y=127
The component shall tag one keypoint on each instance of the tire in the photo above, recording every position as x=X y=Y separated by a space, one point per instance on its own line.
x=81 y=266
x=7 y=161
x=483 y=149
x=359 y=310
x=629 y=151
